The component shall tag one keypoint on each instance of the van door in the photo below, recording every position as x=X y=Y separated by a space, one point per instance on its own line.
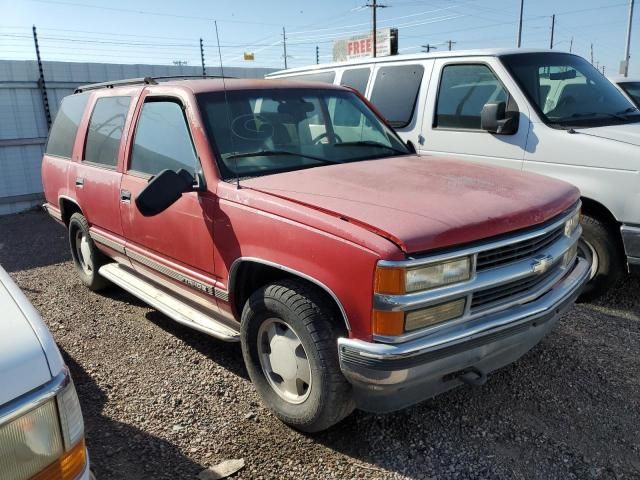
x=398 y=88
x=459 y=89
x=177 y=243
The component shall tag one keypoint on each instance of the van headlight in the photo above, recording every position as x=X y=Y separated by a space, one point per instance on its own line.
x=571 y=225
x=398 y=281
x=46 y=443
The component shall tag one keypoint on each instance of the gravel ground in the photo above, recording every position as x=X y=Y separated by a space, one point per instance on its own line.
x=163 y=402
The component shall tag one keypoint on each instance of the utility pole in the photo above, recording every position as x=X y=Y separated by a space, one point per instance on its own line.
x=592 y=54
x=374 y=5
x=627 y=54
x=603 y=70
x=428 y=47
x=451 y=44
x=204 y=70
x=571 y=46
x=41 y=84
x=284 y=44
x=317 y=54
x=520 y=24
x=553 y=27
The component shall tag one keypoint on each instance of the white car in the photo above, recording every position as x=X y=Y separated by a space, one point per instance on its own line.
x=41 y=425
x=630 y=86
x=537 y=110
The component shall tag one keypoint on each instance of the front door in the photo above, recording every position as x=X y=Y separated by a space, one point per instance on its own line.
x=177 y=243
x=458 y=91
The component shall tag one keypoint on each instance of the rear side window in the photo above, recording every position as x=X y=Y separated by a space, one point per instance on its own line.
x=162 y=140
x=357 y=78
x=105 y=130
x=324 y=77
x=65 y=127
x=396 y=91
x=464 y=90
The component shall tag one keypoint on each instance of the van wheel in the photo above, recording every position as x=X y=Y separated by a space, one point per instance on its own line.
x=608 y=261
x=289 y=344
x=86 y=257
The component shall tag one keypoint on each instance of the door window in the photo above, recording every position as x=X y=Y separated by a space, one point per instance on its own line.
x=464 y=90
x=162 y=140
x=65 y=127
x=105 y=130
x=356 y=78
x=323 y=77
x=396 y=91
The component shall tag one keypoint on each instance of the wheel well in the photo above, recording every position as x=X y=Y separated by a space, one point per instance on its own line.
x=250 y=276
x=68 y=208
x=597 y=210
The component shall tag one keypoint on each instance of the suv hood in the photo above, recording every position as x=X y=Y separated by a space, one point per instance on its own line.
x=629 y=133
x=423 y=203
x=24 y=365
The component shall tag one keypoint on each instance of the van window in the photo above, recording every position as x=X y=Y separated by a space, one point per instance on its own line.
x=324 y=77
x=357 y=78
x=395 y=92
x=105 y=130
x=65 y=127
x=162 y=140
x=633 y=90
x=464 y=90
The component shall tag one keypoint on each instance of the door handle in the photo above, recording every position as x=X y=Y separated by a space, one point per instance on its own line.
x=125 y=196
x=79 y=182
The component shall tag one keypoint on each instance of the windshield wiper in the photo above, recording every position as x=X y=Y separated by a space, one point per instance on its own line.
x=369 y=143
x=272 y=153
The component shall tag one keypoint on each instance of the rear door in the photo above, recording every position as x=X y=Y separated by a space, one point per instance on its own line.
x=178 y=242
x=458 y=90
x=97 y=176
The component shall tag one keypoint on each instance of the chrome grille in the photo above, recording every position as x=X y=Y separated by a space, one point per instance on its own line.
x=494 y=296
x=517 y=251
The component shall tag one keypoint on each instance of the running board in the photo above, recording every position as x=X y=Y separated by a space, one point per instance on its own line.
x=172 y=307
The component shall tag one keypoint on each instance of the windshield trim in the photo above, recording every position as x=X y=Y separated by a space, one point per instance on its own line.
x=560 y=125
x=227 y=175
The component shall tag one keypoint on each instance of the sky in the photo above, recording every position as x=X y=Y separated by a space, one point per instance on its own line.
x=163 y=31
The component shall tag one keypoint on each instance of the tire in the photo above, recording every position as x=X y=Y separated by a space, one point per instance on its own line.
x=608 y=259
x=294 y=306
x=86 y=257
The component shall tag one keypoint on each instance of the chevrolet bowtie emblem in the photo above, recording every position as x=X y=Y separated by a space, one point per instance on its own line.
x=541 y=263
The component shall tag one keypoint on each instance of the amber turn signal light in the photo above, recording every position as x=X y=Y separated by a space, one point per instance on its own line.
x=68 y=467
x=388 y=323
x=390 y=281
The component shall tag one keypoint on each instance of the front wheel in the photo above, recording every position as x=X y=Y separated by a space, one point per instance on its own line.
x=289 y=344
x=608 y=260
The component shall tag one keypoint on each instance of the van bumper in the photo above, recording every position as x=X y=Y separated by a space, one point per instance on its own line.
x=388 y=377
x=631 y=240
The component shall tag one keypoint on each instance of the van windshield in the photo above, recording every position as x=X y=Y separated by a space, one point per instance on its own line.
x=261 y=132
x=567 y=91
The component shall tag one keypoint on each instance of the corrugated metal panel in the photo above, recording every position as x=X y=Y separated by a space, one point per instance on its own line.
x=23 y=126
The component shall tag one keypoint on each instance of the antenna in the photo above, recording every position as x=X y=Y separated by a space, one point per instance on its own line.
x=226 y=102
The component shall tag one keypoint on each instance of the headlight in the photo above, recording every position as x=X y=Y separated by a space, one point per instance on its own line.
x=397 y=281
x=571 y=224
x=46 y=443
x=570 y=255
x=430 y=316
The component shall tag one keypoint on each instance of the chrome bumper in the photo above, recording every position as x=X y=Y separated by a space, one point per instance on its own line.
x=388 y=377
x=631 y=239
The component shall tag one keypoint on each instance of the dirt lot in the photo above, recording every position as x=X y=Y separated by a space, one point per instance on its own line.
x=163 y=402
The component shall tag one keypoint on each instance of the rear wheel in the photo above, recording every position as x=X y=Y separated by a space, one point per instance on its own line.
x=608 y=264
x=289 y=344
x=86 y=257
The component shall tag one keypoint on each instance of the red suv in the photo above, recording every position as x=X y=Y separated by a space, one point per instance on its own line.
x=290 y=217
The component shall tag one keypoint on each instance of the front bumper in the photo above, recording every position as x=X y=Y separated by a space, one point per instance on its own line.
x=388 y=377
x=631 y=240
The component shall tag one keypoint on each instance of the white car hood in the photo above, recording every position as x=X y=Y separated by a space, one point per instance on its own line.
x=629 y=133
x=28 y=354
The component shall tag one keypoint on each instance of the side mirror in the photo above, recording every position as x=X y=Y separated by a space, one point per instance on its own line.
x=163 y=190
x=494 y=119
x=411 y=147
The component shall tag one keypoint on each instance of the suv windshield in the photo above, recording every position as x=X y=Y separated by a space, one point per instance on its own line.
x=633 y=90
x=272 y=131
x=568 y=91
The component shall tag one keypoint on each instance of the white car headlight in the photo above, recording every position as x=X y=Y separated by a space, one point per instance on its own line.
x=438 y=274
x=571 y=224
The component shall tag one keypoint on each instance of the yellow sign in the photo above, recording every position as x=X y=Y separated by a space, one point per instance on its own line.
x=249 y=56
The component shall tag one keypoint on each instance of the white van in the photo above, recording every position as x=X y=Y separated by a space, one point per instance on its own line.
x=629 y=86
x=41 y=425
x=538 y=110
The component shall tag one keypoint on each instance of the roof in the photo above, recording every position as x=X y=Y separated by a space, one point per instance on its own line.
x=622 y=79
x=489 y=52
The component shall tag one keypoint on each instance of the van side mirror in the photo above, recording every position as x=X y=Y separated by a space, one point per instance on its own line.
x=495 y=119
x=411 y=147
x=163 y=190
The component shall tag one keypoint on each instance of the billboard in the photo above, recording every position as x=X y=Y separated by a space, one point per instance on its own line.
x=360 y=46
